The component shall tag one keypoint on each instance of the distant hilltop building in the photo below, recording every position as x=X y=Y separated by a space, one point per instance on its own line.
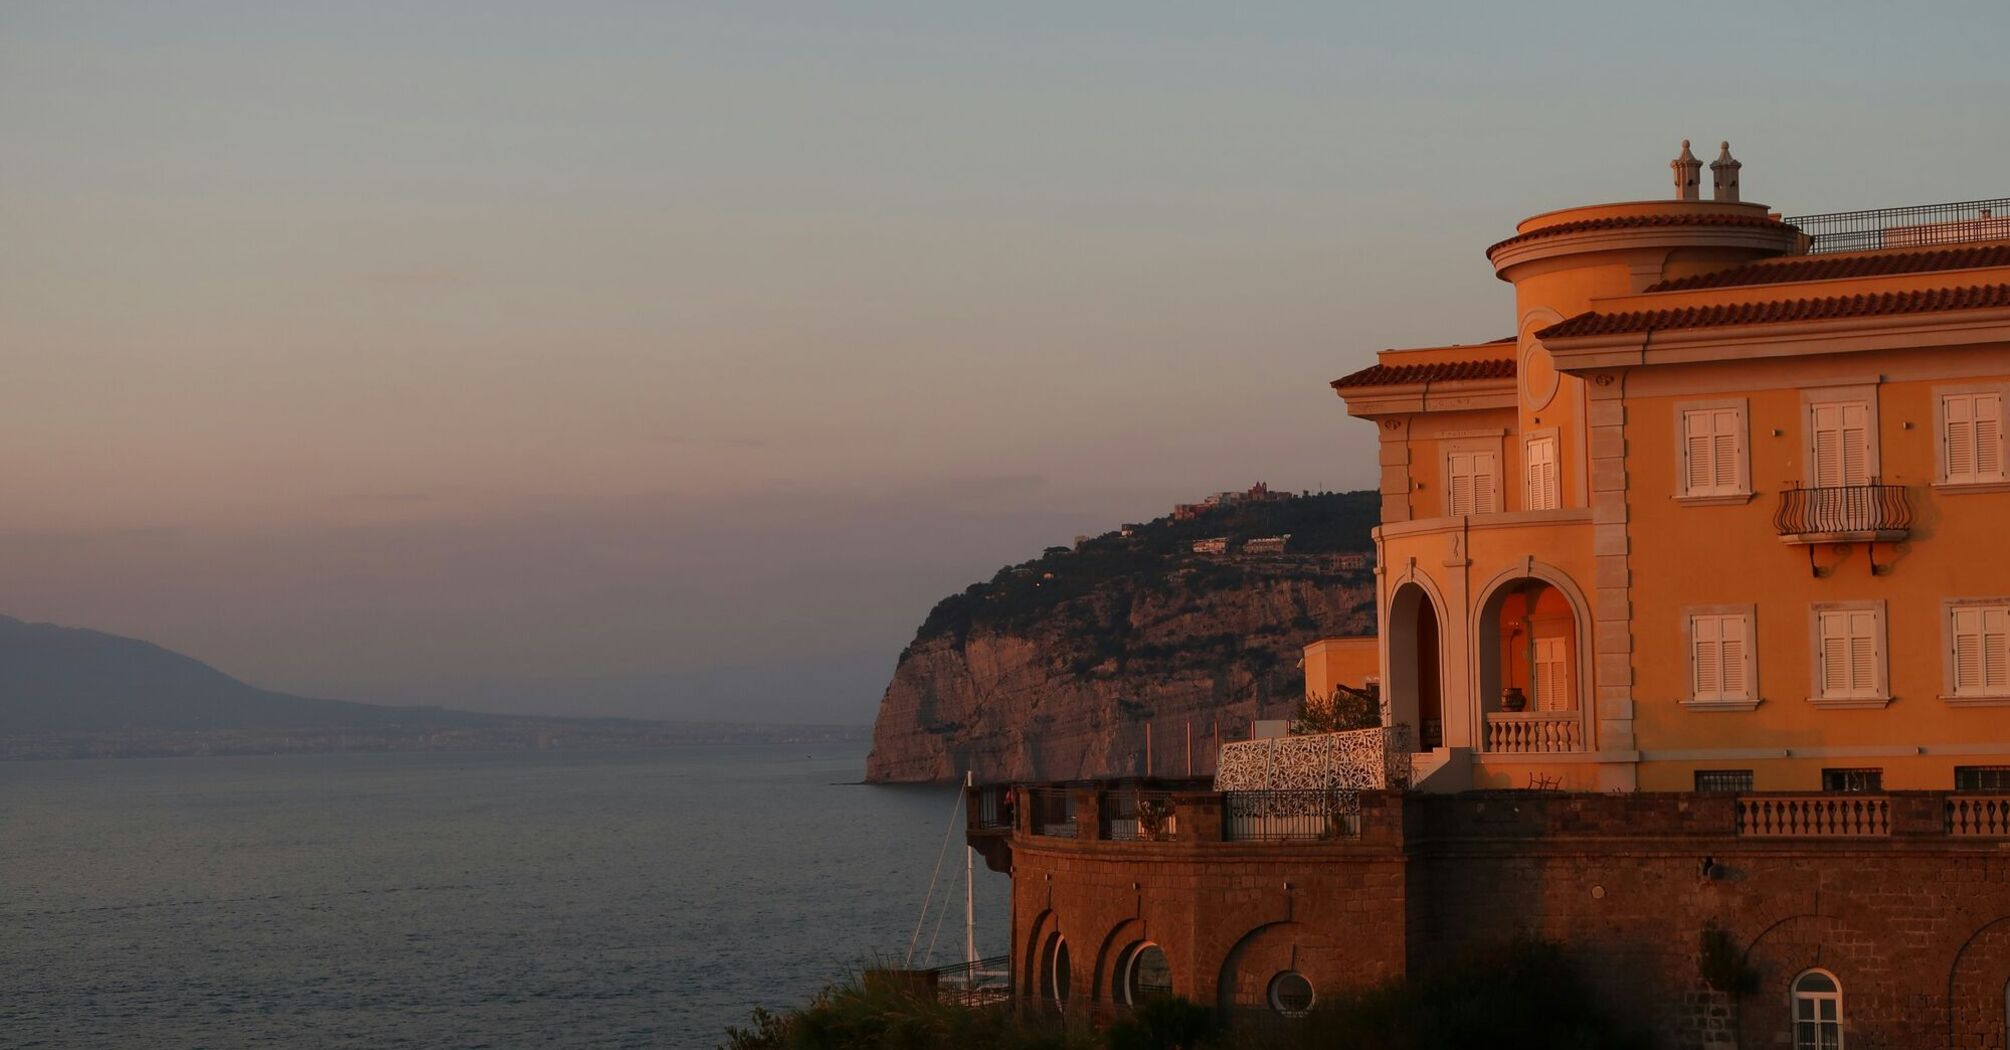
x=1257 y=493
x=1354 y=560
x=1266 y=544
x=1693 y=657
x=1214 y=545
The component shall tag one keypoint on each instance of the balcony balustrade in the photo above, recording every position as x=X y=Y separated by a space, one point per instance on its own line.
x=1978 y=816
x=1843 y=513
x=1814 y=816
x=1534 y=732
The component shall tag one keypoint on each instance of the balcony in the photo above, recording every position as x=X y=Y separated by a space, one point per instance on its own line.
x=1533 y=732
x=1911 y=227
x=1843 y=514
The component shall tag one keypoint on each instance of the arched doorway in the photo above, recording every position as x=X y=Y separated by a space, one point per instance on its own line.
x=1531 y=655
x=1416 y=695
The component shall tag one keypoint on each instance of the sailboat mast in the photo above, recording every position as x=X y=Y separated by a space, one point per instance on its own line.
x=969 y=885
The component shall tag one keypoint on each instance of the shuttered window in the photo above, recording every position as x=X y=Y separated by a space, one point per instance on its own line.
x=1720 y=656
x=1841 y=443
x=1472 y=482
x=1851 y=653
x=1971 y=437
x=1979 y=644
x=1552 y=675
x=1713 y=452
x=1543 y=492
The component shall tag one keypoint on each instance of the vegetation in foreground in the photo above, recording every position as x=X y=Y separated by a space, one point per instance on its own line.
x=1524 y=996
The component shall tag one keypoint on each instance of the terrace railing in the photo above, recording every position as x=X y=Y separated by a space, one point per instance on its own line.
x=1978 y=816
x=1814 y=816
x=1135 y=815
x=1053 y=811
x=1290 y=815
x=992 y=811
x=1910 y=227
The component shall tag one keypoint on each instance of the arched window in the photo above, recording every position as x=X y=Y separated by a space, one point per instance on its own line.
x=1817 y=1011
x=1054 y=971
x=1144 y=973
x=1291 y=994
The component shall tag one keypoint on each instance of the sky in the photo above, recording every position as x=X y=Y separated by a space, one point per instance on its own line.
x=672 y=359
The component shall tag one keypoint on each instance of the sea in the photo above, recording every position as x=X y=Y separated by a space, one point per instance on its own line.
x=550 y=899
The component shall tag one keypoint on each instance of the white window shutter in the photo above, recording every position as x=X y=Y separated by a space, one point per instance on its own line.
x=1958 y=436
x=1863 y=652
x=1706 y=655
x=1856 y=444
x=1724 y=453
x=1698 y=447
x=1968 y=662
x=1486 y=483
x=1996 y=648
x=1989 y=437
x=1734 y=649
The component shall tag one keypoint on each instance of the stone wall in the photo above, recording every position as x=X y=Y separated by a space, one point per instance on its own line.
x=1915 y=926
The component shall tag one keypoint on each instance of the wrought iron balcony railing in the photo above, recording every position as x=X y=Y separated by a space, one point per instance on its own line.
x=1843 y=512
x=1911 y=227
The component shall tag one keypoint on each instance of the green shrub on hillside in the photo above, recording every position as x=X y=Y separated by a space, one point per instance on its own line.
x=1523 y=996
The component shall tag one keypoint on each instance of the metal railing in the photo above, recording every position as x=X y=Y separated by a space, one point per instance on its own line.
x=1843 y=508
x=1978 y=816
x=1910 y=227
x=979 y=983
x=1533 y=732
x=994 y=810
x=1814 y=816
x=1281 y=816
x=1134 y=815
x=1053 y=812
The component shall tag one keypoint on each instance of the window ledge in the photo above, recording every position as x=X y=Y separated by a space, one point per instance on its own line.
x=1955 y=488
x=1722 y=705
x=1850 y=703
x=1734 y=500
x=1974 y=700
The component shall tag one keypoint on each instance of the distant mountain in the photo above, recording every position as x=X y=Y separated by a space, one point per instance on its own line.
x=66 y=679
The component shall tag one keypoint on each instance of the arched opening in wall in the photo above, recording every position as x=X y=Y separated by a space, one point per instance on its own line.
x=1416 y=697
x=1817 y=1011
x=1056 y=975
x=1142 y=972
x=1530 y=642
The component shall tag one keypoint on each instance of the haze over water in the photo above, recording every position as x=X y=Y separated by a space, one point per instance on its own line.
x=441 y=900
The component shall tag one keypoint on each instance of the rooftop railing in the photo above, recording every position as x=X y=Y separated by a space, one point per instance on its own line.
x=1917 y=226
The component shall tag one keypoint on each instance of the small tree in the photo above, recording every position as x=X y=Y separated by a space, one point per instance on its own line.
x=1344 y=710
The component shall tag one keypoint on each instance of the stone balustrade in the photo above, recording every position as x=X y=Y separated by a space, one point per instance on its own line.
x=1814 y=816
x=1534 y=732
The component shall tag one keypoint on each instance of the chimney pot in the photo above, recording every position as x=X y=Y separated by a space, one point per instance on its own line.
x=1724 y=175
x=1688 y=175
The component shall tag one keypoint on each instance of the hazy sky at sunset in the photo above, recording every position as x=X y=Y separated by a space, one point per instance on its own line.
x=673 y=358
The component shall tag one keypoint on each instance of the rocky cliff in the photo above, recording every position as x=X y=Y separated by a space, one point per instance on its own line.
x=1104 y=660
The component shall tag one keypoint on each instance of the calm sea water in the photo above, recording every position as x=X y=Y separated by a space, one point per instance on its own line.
x=643 y=899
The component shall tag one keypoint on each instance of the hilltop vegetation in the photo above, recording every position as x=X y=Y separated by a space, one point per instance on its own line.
x=1159 y=557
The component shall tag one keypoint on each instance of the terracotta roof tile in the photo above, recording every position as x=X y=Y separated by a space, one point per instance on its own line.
x=1781 y=311
x=1428 y=372
x=1627 y=222
x=1841 y=265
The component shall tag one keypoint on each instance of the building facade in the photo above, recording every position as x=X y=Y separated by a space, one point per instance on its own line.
x=1720 y=512
x=1693 y=624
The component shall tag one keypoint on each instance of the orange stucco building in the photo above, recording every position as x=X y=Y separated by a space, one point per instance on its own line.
x=1694 y=627
x=1719 y=514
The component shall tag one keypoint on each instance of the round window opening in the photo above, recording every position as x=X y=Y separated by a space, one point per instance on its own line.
x=1291 y=994
x=1148 y=975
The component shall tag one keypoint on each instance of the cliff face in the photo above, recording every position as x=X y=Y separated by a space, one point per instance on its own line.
x=1056 y=668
